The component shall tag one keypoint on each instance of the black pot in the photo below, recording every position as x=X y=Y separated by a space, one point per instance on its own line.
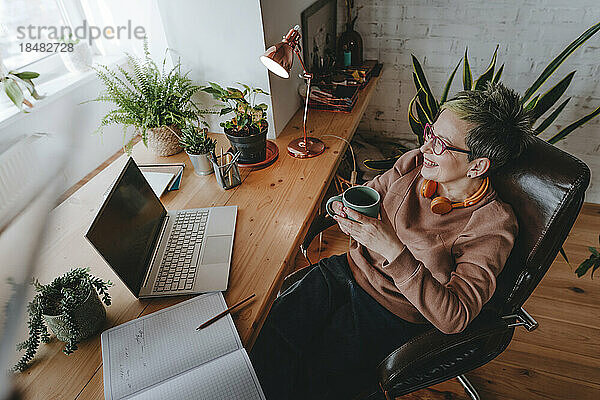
x=252 y=148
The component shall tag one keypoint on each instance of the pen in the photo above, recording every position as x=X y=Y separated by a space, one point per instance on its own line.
x=230 y=175
x=233 y=160
x=222 y=314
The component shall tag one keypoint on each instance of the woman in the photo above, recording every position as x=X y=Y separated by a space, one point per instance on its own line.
x=432 y=257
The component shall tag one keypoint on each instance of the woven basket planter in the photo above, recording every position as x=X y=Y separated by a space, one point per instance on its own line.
x=163 y=142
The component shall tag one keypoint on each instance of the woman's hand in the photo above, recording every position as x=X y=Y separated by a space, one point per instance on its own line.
x=372 y=233
x=337 y=207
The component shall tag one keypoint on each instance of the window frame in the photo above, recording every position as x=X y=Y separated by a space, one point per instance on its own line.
x=72 y=15
x=51 y=67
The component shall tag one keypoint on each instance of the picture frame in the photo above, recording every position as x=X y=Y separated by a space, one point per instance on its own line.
x=319 y=34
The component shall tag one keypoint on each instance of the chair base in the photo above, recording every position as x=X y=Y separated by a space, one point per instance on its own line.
x=469 y=388
x=466 y=384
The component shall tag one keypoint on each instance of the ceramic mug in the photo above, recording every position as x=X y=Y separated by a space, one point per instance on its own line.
x=363 y=199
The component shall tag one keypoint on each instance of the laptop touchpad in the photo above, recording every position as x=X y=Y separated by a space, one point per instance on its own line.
x=221 y=221
x=216 y=249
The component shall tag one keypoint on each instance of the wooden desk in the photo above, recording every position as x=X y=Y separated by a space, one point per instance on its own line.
x=275 y=208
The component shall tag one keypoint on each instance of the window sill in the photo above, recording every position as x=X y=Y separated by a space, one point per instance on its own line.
x=53 y=90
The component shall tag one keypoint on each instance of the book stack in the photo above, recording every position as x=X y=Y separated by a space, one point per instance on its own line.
x=333 y=97
x=339 y=91
x=163 y=177
x=360 y=75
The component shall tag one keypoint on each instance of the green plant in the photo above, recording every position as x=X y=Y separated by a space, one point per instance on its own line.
x=148 y=96
x=249 y=118
x=592 y=262
x=195 y=140
x=424 y=106
x=13 y=83
x=69 y=40
x=60 y=297
x=427 y=106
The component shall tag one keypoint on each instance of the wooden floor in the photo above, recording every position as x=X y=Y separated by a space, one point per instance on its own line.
x=559 y=360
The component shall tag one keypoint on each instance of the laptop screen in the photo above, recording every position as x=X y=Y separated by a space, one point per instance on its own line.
x=127 y=225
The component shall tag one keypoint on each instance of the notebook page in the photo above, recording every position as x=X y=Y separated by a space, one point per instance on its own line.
x=175 y=168
x=158 y=181
x=163 y=344
x=230 y=377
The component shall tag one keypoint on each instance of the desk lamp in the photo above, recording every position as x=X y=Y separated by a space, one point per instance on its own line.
x=279 y=59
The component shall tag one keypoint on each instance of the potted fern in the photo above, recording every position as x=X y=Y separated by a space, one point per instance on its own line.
x=70 y=307
x=199 y=147
x=247 y=130
x=156 y=102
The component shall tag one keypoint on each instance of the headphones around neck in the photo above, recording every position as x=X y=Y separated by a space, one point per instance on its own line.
x=441 y=205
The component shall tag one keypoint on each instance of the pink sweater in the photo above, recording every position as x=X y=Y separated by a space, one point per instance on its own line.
x=450 y=262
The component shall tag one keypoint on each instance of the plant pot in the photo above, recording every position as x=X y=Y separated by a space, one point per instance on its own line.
x=163 y=141
x=89 y=317
x=78 y=60
x=201 y=163
x=252 y=148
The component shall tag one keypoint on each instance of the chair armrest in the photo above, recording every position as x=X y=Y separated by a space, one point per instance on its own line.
x=411 y=364
x=293 y=278
x=318 y=225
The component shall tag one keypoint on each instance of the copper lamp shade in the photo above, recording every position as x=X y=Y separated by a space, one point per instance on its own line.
x=279 y=60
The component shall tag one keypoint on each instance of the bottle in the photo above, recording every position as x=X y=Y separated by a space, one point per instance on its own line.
x=350 y=47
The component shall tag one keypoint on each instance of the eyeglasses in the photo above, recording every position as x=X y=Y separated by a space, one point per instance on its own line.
x=438 y=146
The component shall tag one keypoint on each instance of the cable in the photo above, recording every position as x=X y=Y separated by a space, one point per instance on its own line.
x=353 y=175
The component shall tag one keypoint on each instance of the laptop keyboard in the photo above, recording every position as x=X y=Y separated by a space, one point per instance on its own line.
x=176 y=270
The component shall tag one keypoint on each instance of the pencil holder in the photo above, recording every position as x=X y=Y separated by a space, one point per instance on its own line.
x=226 y=172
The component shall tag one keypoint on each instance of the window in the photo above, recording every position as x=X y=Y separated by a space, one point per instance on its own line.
x=32 y=34
x=30 y=40
x=24 y=23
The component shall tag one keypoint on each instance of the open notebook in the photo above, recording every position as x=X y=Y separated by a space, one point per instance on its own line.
x=163 y=356
x=158 y=181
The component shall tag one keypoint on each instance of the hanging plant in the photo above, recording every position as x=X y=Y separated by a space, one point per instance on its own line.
x=70 y=306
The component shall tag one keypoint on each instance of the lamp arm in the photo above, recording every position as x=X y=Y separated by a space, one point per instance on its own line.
x=293 y=39
x=305 y=73
x=308 y=76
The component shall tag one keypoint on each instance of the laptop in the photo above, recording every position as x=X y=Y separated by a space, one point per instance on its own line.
x=156 y=252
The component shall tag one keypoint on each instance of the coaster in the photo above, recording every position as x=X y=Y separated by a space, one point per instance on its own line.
x=272 y=154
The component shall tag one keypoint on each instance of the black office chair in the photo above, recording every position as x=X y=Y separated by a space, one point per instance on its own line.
x=546 y=189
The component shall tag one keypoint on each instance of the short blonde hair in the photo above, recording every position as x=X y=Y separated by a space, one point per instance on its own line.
x=502 y=127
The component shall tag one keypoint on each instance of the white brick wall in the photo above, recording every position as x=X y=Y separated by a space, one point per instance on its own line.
x=530 y=34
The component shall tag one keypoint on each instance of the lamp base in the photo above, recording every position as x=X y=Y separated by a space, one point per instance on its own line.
x=300 y=149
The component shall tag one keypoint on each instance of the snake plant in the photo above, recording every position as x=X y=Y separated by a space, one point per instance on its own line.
x=424 y=106
x=592 y=262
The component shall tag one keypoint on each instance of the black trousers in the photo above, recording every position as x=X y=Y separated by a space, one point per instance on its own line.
x=325 y=336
